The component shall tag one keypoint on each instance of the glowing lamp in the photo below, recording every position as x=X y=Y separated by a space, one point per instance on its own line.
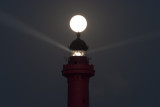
x=78 y=53
x=78 y=23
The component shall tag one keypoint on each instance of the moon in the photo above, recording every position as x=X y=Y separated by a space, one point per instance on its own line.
x=78 y=23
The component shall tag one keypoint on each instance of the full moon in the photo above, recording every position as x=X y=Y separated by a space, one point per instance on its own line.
x=78 y=23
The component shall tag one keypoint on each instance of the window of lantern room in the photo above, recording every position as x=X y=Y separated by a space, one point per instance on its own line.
x=78 y=53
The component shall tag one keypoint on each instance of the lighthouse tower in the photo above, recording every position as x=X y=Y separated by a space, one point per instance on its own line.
x=78 y=71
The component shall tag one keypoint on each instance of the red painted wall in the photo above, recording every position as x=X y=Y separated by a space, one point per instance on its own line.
x=78 y=71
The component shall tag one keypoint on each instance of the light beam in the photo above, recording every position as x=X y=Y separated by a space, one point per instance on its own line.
x=12 y=22
x=152 y=35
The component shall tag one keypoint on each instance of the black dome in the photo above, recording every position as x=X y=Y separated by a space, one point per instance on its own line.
x=78 y=44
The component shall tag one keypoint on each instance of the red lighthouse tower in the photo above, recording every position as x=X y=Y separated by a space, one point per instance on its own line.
x=78 y=71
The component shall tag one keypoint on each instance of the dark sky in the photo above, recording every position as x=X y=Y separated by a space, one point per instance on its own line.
x=127 y=62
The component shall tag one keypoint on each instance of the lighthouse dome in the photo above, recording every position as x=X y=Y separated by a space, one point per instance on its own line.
x=78 y=44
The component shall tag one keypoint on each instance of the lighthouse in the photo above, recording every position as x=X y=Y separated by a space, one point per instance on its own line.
x=78 y=72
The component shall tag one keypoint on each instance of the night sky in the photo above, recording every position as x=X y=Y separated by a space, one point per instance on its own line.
x=124 y=45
